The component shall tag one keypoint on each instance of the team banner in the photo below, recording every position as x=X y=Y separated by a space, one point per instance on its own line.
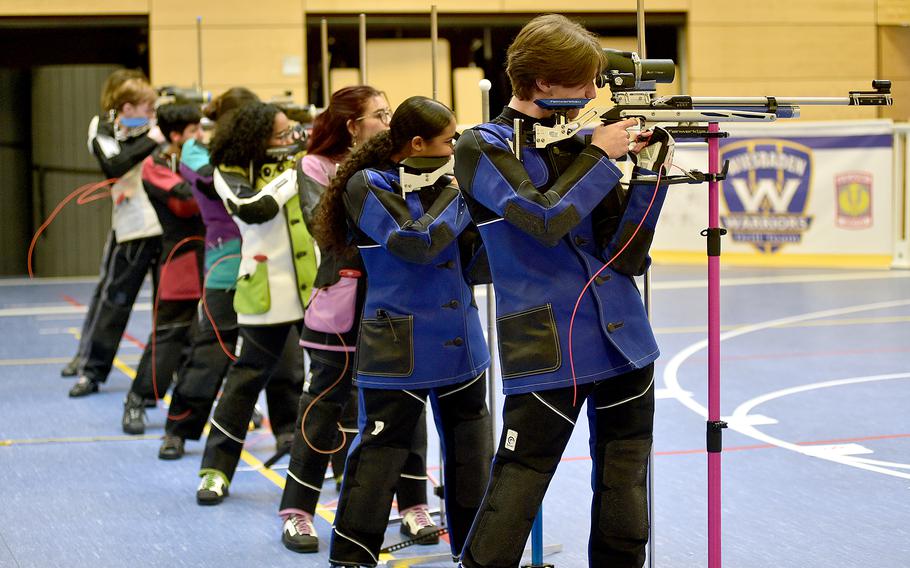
x=798 y=188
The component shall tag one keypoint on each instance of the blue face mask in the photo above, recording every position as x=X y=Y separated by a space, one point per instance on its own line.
x=134 y=122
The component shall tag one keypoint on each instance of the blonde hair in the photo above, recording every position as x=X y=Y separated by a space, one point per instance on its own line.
x=555 y=49
x=113 y=81
x=135 y=91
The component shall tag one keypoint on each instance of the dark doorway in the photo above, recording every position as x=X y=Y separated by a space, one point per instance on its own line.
x=51 y=70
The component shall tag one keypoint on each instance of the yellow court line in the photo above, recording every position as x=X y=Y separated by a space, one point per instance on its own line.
x=36 y=361
x=245 y=456
x=777 y=260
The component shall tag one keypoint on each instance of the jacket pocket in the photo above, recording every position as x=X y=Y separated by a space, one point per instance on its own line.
x=252 y=297
x=332 y=309
x=528 y=342
x=386 y=346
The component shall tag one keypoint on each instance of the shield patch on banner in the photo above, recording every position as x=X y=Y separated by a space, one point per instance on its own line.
x=853 y=195
x=767 y=192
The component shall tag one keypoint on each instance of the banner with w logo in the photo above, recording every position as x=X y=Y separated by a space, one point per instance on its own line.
x=767 y=192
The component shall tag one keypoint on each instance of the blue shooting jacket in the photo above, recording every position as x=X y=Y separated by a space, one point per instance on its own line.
x=548 y=223
x=420 y=326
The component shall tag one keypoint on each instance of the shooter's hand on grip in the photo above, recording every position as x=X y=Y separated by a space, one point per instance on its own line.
x=613 y=138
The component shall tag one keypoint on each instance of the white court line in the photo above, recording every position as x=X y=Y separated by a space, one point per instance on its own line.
x=58 y=309
x=823 y=452
x=48 y=281
x=671 y=372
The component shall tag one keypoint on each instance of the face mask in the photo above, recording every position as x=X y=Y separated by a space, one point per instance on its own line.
x=134 y=122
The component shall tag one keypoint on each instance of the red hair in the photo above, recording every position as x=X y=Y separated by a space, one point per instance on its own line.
x=330 y=136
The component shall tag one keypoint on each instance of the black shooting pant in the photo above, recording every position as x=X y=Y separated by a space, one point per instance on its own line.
x=306 y=470
x=199 y=380
x=260 y=353
x=172 y=322
x=127 y=266
x=536 y=428
x=106 y=256
x=388 y=419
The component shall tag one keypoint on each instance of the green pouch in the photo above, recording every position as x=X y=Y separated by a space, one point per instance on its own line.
x=252 y=296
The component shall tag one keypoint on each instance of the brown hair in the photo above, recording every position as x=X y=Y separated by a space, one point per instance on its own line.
x=113 y=82
x=555 y=49
x=415 y=116
x=134 y=91
x=330 y=137
x=230 y=100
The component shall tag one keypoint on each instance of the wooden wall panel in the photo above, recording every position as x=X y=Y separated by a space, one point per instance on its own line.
x=226 y=12
x=812 y=12
x=72 y=7
x=894 y=64
x=254 y=57
x=468 y=100
x=460 y=6
x=399 y=6
x=546 y=7
x=781 y=52
x=402 y=68
x=342 y=77
x=893 y=12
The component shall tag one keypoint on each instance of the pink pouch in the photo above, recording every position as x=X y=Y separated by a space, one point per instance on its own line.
x=331 y=309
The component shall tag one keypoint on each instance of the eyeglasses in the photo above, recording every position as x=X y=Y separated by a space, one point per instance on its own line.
x=384 y=115
x=295 y=132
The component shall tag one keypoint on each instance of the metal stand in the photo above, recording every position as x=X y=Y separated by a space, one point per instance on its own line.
x=537 y=547
x=714 y=426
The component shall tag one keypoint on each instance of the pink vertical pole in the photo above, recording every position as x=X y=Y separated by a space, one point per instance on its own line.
x=714 y=424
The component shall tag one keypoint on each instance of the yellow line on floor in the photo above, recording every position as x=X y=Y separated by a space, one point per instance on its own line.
x=45 y=361
x=245 y=456
x=777 y=260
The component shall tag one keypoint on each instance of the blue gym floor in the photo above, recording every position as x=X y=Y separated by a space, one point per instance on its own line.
x=816 y=468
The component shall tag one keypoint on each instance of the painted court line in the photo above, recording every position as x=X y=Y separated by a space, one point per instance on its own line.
x=671 y=381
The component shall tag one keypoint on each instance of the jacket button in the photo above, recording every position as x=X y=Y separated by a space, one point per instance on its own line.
x=301 y=254
x=601 y=279
x=611 y=327
x=458 y=341
x=453 y=304
x=294 y=221
x=580 y=241
x=303 y=286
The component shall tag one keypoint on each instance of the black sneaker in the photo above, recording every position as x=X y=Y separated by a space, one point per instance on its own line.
x=71 y=369
x=299 y=534
x=83 y=387
x=133 y=414
x=213 y=488
x=171 y=448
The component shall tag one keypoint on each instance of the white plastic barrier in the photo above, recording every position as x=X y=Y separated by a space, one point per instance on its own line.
x=798 y=193
x=901 y=197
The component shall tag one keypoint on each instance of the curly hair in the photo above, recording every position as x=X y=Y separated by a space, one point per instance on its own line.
x=331 y=230
x=244 y=139
x=416 y=116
